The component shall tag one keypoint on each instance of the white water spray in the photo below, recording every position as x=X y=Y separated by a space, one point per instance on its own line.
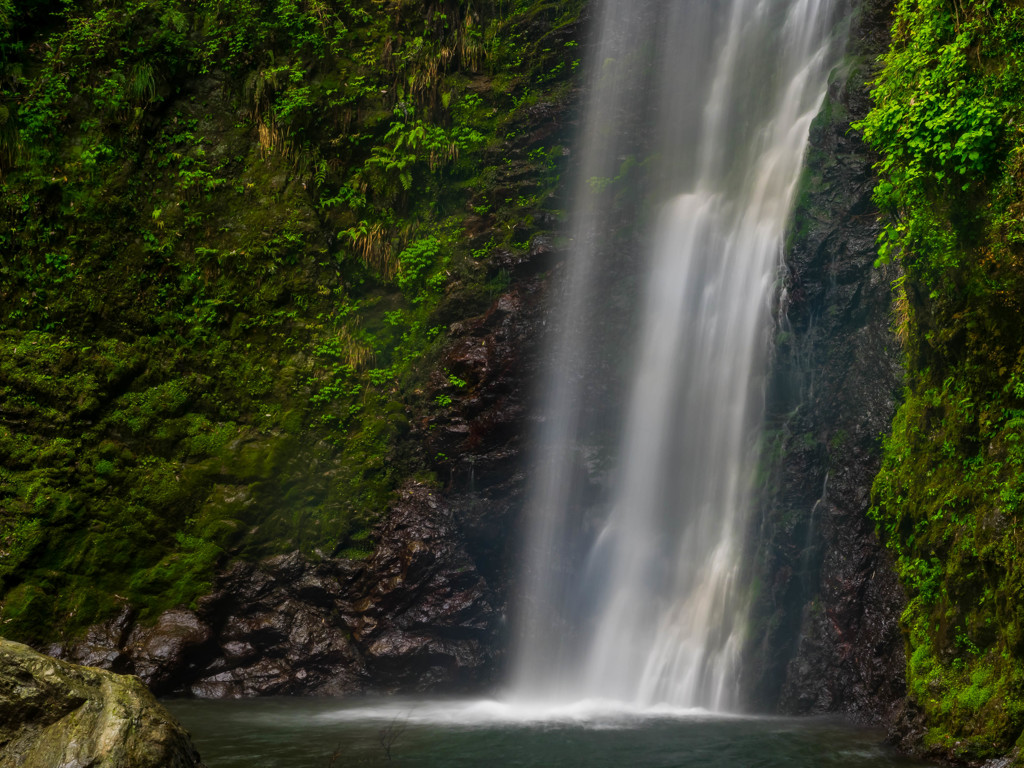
x=633 y=594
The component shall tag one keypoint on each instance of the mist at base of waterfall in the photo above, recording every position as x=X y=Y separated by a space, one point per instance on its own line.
x=436 y=733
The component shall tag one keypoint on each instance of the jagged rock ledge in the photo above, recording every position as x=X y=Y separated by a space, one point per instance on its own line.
x=416 y=616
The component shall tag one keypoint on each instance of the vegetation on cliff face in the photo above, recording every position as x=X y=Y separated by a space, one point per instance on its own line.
x=949 y=122
x=232 y=237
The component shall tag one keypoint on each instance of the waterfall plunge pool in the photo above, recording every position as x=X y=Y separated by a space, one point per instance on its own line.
x=422 y=733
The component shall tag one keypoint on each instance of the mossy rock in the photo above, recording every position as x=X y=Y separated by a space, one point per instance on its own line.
x=54 y=713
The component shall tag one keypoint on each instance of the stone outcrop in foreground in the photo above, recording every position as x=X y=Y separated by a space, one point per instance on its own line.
x=53 y=713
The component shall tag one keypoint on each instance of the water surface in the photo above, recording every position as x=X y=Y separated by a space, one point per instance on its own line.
x=306 y=733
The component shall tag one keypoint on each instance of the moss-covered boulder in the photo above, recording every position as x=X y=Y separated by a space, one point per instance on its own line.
x=57 y=714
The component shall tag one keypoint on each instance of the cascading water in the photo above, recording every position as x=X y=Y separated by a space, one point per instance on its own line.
x=632 y=593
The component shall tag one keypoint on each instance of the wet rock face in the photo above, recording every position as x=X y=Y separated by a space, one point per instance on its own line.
x=426 y=620
x=416 y=616
x=426 y=612
x=57 y=714
x=827 y=617
x=481 y=444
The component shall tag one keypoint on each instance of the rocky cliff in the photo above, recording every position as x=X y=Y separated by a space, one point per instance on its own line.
x=268 y=287
x=269 y=284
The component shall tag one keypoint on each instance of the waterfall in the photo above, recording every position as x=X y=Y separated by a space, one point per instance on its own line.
x=695 y=126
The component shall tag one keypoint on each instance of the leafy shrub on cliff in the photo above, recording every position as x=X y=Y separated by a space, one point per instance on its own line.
x=948 y=119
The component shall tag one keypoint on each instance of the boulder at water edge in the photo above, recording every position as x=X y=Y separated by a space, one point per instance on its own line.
x=59 y=715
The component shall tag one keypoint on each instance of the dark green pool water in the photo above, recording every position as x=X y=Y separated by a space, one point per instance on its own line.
x=306 y=733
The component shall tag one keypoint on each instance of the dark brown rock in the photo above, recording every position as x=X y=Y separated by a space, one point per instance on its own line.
x=102 y=644
x=425 y=601
x=157 y=651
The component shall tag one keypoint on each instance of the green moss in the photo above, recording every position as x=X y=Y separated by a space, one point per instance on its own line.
x=27 y=607
x=948 y=105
